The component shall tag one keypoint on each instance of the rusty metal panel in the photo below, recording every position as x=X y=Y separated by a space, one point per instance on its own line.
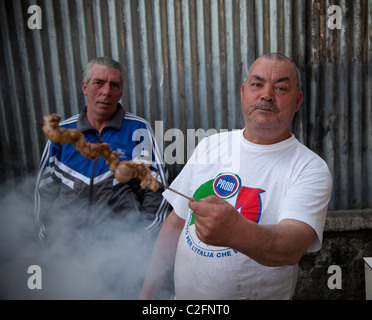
x=185 y=61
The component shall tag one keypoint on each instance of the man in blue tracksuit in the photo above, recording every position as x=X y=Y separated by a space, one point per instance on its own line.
x=69 y=183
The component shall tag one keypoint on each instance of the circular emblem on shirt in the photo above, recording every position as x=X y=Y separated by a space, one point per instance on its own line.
x=226 y=185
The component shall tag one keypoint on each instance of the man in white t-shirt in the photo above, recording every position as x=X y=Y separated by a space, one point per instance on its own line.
x=261 y=201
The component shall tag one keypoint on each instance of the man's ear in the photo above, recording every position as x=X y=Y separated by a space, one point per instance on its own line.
x=300 y=98
x=241 y=92
x=84 y=87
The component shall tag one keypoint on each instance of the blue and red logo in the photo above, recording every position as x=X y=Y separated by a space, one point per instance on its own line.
x=226 y=185
x=247 y=203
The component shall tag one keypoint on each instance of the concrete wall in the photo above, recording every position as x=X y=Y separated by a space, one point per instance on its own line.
x=347 y=239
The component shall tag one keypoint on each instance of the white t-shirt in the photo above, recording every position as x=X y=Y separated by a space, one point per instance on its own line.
x=267 y=184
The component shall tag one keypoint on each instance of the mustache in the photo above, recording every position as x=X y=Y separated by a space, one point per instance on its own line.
x=266 y=105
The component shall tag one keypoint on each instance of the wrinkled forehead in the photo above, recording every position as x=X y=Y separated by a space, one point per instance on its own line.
x=272 y=69
x=104 y=73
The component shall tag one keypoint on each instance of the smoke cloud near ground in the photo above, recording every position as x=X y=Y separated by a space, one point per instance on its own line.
x=103 y=261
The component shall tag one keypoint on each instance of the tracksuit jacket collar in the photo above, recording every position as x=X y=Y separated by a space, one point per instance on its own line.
x=84 y=125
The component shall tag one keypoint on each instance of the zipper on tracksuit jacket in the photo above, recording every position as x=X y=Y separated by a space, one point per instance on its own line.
x=91 y=185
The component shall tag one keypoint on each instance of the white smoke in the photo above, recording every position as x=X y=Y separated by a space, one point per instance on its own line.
x=104 y=261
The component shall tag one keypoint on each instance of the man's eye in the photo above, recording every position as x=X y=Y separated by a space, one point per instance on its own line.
x=281 y=89
x=256 y=84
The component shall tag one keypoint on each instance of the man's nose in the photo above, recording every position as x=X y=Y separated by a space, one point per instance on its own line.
x=267 y=94
x=106 y=89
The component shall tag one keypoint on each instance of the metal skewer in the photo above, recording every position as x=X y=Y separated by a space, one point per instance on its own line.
x=179 y=193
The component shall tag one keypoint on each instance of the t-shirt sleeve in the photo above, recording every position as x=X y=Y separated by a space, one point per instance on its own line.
x=307 y=199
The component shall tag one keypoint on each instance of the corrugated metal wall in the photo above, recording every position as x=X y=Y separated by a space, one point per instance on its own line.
x=185 y=61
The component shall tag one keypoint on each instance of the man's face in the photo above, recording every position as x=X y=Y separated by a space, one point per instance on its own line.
x=103 y=91
x=270 y=100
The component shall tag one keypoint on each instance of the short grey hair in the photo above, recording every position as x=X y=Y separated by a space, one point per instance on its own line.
x=104 y=61
x=282 y=57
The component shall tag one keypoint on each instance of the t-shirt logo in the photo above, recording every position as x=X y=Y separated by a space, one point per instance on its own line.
x=247 y=201
x=226 y=185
